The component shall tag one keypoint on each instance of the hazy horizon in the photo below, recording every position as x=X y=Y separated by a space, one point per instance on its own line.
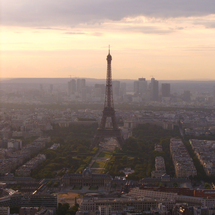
x=120 y=79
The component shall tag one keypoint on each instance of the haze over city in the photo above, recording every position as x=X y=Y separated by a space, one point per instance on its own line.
x=107 y=107
x=168 y=40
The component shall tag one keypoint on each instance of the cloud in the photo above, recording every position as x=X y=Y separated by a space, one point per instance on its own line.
x=206 y=23
x=40 y=13
x=51 y=28
x=73 y=33
x=211 y=25
x=201 y=48
x=149 y=30
x=97 y=34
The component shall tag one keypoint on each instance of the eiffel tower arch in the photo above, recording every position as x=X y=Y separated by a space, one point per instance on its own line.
x=108 y=112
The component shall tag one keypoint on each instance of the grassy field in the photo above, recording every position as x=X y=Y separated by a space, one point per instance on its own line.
x=105 y=154
x=99 y=164
x=99 y=171
x=81 y=168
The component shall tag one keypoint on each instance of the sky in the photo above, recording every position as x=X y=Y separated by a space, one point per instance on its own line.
x=164 y=39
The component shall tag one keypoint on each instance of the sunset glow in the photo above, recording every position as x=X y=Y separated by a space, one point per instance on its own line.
x=142 y=45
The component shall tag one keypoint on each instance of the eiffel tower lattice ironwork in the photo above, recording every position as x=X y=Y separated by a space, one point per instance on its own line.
x=108 y=112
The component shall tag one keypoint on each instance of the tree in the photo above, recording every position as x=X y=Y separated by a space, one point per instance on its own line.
x=175 y=185
x=56 y=184
x=62 y=209
x=73 y=210
x=49 y=184
x=207 y=185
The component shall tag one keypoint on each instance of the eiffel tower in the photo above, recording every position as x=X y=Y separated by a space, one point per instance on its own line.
x=108 y=112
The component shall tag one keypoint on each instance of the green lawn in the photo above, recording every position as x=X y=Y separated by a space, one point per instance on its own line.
x=99 y=164
x=105 y=154
x=81 y=168
x=100 y=171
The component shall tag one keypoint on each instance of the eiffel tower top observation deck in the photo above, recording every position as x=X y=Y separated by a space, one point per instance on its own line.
x=108 y=112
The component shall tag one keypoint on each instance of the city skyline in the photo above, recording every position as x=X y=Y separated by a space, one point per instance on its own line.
x=58 y=39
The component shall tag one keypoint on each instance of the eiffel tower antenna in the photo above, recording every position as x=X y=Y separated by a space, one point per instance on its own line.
x=108 y=112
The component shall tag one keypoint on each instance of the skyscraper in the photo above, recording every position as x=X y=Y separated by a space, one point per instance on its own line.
x=165 y=90
x=154 y=89
x=81 y=84
x=140 y=86
x=136 y=87
x=71 y=86
x=116 y=88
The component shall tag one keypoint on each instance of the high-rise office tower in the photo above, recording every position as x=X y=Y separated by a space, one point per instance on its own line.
x=140 y=86
x=154 y=89
x=71 y=86
x=116 y=88
x=136 y=87
x=81 y=84
x=165 y=90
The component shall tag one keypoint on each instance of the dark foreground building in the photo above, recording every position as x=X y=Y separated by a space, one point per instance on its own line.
x=87 y=178
x=36 y=200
